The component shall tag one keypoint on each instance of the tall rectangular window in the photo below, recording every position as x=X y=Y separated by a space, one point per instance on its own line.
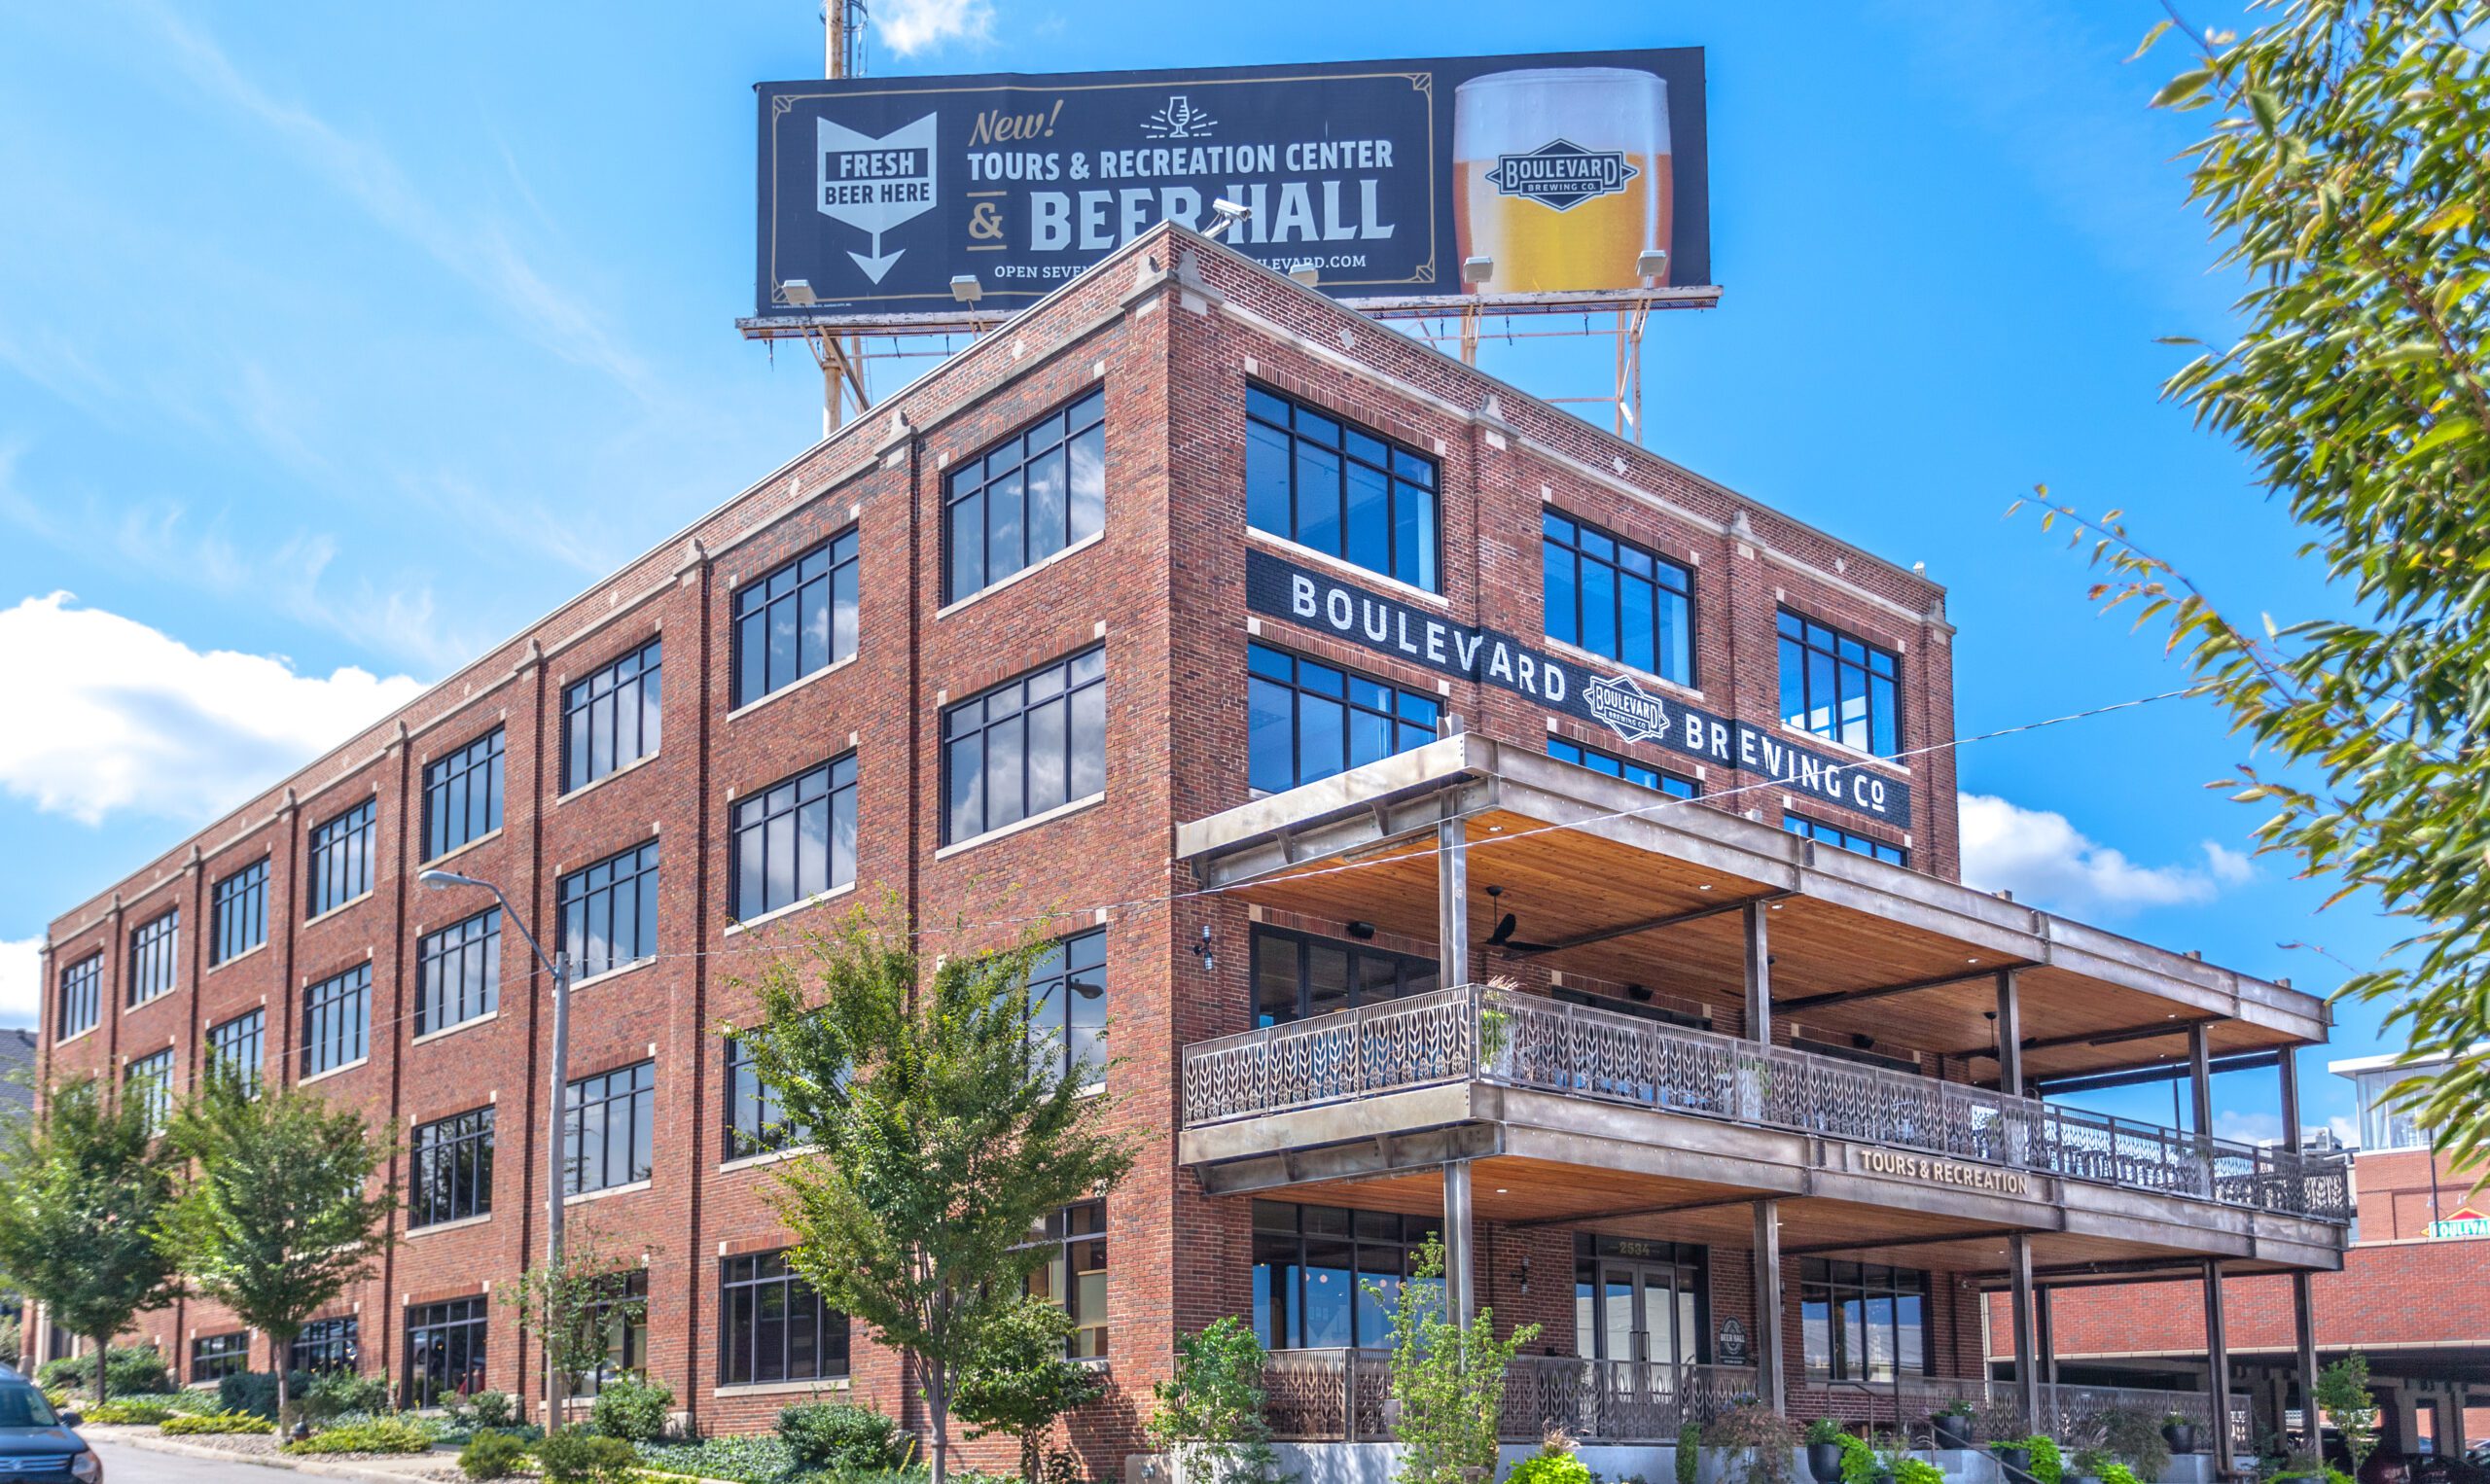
x=327 y=1345
x=772 y=1326
x=336 y=1021
x=1307 y=720
x=238 y=1047
x=1075 y=1273
x=755 y=1122
x=450 y=1169
x=1068 y=1006
x=1606 y=594
x=611 y=720
x=1312 y=1267
x=795 y=840
x=215 y=1357
x=1332 y=485
x=1298 y=975
x=1839 y=687
x=608 y=1126
x=1621 y=768
x=445 y=1350
x=796 y=619
x=240 y=920
x=1028 y=745
x=458 y=972
x=463 y=796
x=150 y=1079
x=82 y=998
x=1026 y=498
x=1846 y=840
x=154 y=954
x=609 y=912
x=342 y=851
x=617 y=1322
x=1861 y=1321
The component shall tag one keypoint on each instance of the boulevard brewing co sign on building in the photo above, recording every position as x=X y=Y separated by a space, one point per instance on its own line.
x=1565 y=170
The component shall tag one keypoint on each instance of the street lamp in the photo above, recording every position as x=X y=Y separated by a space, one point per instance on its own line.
x=557 y=966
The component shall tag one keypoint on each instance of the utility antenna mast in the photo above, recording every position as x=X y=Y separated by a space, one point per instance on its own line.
x=840 y=357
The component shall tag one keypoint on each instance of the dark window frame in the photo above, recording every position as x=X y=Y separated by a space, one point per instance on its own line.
x=755 y=821
x=1623 y=768
x=752 y=607
x=237 y=919
x=745 y=1299
x=1408 y=969
x=588 y=1104
x=155 y=957
x=337 y=1020
x=215 y=1357
x=1301 y=1233
x=621 y=1309
x=1058 y=977
x=1826 y=832
x=331 y=1344
x=430 y=1329
x=450 y=1169
x=593 y=706
x=573 y=889
x=475 y=953
x=1881 y=720
x=755 y=1124
x=457 y=812
x=245 y=1034
x=1075 y=1237
x=1055 y=428
x=80 y=1007
x=151 y=1077
x=1582 y=542
x=1310 y=434
x=344 y=858
x=1832 y=1282
x=1072 y=687
x=1355 y=698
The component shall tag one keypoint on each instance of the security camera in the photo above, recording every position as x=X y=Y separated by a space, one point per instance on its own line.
x=1230 y=213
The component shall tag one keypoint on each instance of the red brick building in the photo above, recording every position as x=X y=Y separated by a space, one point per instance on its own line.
x=1287 y=660
x=2413 y=1296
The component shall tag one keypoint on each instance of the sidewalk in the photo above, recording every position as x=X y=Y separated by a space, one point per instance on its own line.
x=375 y=1470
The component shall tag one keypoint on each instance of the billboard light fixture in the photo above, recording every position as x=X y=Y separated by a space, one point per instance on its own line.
x=1306 y=274
x=1478 y=269
x=966 y=289
x=1652 y=262
x=799 y=292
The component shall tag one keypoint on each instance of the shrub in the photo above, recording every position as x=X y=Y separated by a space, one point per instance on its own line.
x=1551 y=1464
x=255 y=1392
x=216 y=1423
x=331 y=1394
x=127 y=1414
x=495 y=1409
x=380 y=1434
x=1860 y=1462
x=1915 y=1471
x=493 y=1455
x=749 y=1458
x=128 y=1368
x=1824 y=1430
x=2048 y=1466
x=2133 y=1436
x=1768 y=1440
x=842 y=1437
x=1690 y=1453
x=576 y=1456
x=631 y=1409
x=1209 y=1416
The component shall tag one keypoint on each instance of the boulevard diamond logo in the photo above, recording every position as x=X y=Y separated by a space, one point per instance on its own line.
x=1561 y=174
x=1626 y=708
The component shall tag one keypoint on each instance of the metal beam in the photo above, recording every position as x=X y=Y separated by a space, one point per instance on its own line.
x=1646 y=925
x=2218 y=1366
x=2153 y=1032
x=2027 y=1352
x=2045 y=1337
x=1383 y=1154
x=1759 y=982
x=1452 y=888
x=1881 y=991
x=2201 y=1080
x=2150 y=1071
x=1630 y=1213
x=2305 y=1340
x=1460 y=1249
x=1871 y=1244
x=2010 y=1035
x=1767 y=1304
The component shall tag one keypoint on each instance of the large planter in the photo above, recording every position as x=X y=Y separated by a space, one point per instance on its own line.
x=1823 y=1462
x=1953 y=1429
x=2018 y=1460
x=2180 y=1436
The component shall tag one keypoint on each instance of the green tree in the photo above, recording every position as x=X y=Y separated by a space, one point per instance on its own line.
x=580 y=1303
x=2343 y=1398
x=274 y=1220
x=2347 y=174
x=83 y=1183
x=1210 y=1413
x=1449 y=1381
x=938 y=1140
x=1017 y=1379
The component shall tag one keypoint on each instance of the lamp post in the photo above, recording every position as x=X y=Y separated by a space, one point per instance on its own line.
x=557 y=966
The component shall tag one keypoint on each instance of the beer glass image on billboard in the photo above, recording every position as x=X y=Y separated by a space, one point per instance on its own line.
x=1562 y=177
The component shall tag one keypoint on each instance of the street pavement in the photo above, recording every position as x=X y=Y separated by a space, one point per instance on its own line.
x=125 y=1465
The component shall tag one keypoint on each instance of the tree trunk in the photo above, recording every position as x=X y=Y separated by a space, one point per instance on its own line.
x=104 y=1353
x=937 y=1416
x=279 y=1360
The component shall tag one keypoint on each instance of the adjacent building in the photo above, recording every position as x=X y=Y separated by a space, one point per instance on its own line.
x=1451 y=818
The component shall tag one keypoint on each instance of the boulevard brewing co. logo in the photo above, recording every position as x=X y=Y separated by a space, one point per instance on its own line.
x=1561 y=174
x=1626 y=708
x=875 y=185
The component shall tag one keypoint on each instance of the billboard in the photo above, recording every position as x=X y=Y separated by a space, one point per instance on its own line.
x=1576 y=173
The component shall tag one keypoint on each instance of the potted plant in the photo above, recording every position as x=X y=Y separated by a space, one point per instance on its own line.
x=2015 y=1454
x=1824 y=1450
x=2086 y=1466
x=2179 y=1433
x=1953 y=1424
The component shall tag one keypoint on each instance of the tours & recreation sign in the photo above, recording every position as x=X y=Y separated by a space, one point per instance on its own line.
x=1614 y=698
x=1575 y=172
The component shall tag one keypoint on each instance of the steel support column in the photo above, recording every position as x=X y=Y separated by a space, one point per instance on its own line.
x=2044 y=1338
x=2304 y=1333
x=1767 y=1304
x=1759 y=974
x=1460 y=1264
x=2218 y=1367
x=2009 y=1035
x=2027 y=1347
x=1452 y=883
x=2200 y=1084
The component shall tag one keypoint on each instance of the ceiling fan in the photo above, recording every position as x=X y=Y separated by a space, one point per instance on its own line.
x=1507 y=925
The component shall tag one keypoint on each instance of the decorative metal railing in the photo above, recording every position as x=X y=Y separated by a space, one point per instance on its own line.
x=1526 y=1040
x=2081 y=1416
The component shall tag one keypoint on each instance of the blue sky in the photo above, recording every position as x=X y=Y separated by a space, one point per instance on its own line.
x=335 y=344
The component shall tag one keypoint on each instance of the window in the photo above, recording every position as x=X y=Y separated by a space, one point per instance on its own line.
x=618 y=1314
x=608 y=1125
x=611 y=718
x=1309 y=720
x=215 y=1357
x=1335 y=487
x=1833 y=835
x=238 y=1046
x=463 y=796
x=458 y=972
x=756 y=1123
x=1028 y=497
x=240 y=922
x=1861 y=1322
x=336 y=1021
x=1606 y=594
x=1297 y=975
x=81 y=997
x=2386 y=1123
x=450 y=1169
x=154 y=947
x=1068 y=1005
x=796 y=840
x=797 y=620
x=1028 y=745
x=341 y=858
x=445 y=1350
x=1311 y=1267
x=150 y=1079
x=1838 y=688
x=1075 y=1274
x=771 y=1326
x=1631 y=771
x=609 y=912
x=328 y=1344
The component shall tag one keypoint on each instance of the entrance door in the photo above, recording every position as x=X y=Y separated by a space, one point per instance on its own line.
x=1633 y=1311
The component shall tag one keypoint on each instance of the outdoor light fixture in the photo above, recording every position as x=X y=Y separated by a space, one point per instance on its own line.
x=966 y=289
x=1478 y=269
x=1652 y=262
x=1230 y=213
x=1640 y=994
x=1306 y=274
x=1362 y=930
x=439 y=877
x=799 y=292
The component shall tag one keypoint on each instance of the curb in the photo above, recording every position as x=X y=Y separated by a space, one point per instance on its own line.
x=157 y=1443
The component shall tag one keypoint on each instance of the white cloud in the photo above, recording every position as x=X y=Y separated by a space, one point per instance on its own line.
x=912 y=25
x=132 y=719
x=2248 y=1128
x=2045 y=861
x=21 y=966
